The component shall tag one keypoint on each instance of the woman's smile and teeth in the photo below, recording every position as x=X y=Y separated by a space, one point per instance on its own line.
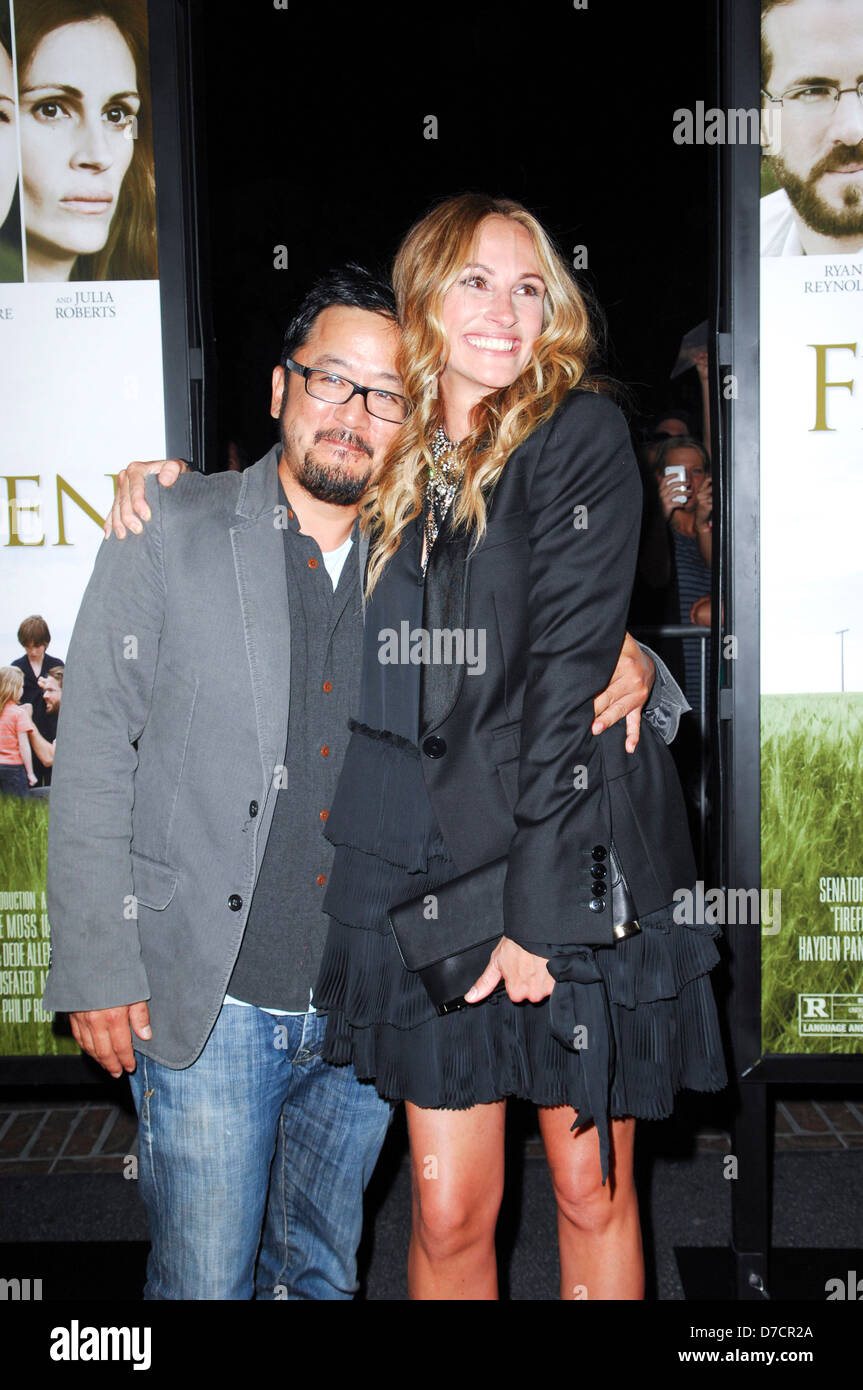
x=490 y=343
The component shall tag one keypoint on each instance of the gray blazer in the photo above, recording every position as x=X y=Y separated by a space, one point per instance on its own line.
x=170 y=745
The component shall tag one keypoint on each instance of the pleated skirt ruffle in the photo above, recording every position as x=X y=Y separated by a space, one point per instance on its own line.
x=661 y=1010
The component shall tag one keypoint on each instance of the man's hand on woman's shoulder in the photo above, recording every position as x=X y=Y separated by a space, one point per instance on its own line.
x=130 y=503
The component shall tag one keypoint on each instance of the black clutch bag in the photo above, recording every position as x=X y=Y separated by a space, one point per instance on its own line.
x=447 y=936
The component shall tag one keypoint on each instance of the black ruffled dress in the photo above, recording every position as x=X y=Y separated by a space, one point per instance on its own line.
x=647 y=1001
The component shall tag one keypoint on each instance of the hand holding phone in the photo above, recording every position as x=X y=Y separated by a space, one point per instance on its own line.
x=674 y=489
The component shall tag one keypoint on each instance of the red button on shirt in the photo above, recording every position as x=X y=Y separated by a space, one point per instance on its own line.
x=313 y=564
x=328 y=685
x=324 y=815
x=322 y=878
x=325 y=752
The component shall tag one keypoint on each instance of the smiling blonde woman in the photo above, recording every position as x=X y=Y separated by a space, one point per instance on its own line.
x=510 y=507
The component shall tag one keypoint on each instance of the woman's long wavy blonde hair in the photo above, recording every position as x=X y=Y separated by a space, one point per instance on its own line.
x=432 y=256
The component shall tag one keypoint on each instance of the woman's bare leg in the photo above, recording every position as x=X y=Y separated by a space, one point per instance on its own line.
x=598 y=1227
x=457 y=1179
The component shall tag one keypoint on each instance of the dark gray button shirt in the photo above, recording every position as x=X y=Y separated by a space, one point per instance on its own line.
x=286 y=928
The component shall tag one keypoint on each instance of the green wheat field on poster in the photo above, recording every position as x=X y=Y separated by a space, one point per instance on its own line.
x=812 y=850
x=25 y=1030
x=811 y=846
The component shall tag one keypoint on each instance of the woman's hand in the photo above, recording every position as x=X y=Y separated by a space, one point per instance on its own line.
x=627 y=692
x=524 y=974
x=700 y=612
x=673 y=494
x=704 y=504
x=130 y=502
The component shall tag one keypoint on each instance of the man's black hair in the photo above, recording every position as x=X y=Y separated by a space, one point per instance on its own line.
x=350 y=286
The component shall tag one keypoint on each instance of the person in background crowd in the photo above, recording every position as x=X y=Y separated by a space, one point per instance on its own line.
x=16 y=759
x=36 y=664
x=684 y=568
x=646 y=606
x=670 y=423
x=674 y=565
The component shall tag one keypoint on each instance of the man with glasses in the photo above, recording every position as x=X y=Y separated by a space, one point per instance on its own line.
x=186 y=872
x=812 y=76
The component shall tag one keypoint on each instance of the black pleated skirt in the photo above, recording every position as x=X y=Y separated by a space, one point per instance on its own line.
x=648 y=999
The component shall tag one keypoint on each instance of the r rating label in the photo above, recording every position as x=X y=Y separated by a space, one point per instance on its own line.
x=838 y=1014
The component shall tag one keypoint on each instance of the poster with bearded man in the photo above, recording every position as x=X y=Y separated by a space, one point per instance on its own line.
x=811 y=486
x=812 y=104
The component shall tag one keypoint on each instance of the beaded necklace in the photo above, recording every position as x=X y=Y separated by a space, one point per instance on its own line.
x=444 y=477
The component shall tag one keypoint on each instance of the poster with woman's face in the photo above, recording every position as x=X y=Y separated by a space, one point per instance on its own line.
x=11 y=265
x=78 y=285
x=85 y=140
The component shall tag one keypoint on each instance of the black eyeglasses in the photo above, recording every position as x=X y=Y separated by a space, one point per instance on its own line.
x=338 y=390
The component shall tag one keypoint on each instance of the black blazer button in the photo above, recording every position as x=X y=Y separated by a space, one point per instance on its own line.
x=596 y=905
x=235 y=902
x=598 y=871
x=599 y=852
x=600 y=887
x=434 y=747
x=253 y=808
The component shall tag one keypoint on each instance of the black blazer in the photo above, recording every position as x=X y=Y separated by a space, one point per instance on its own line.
x=501 y=749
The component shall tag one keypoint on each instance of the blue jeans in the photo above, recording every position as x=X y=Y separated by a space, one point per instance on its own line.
x=253 y=1162
x=13 y=780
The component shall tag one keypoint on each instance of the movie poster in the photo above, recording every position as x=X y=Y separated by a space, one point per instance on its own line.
x=811 y=354
x=81 y=394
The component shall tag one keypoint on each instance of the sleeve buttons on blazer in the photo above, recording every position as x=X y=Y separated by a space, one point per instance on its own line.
x=253 y=808
x=599 y=888
x=599 y=852
x=596 y=905
x=434 y=747
x=598 y=871
x=235 y=902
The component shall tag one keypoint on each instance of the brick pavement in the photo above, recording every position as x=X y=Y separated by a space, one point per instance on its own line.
x=71 y=1137
x=76 y=1137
